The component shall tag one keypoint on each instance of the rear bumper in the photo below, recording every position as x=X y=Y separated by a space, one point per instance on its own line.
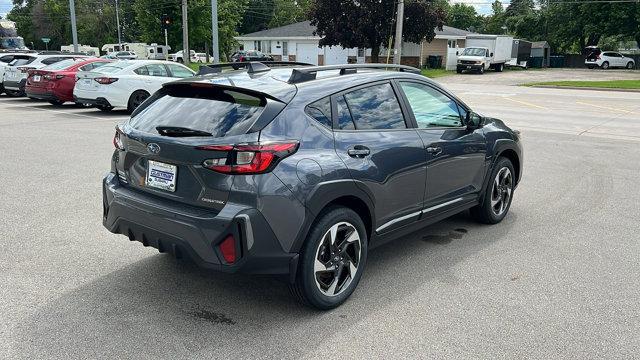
x=96 y=102
x=41 y=95
x=196 y=233
x=15 y=85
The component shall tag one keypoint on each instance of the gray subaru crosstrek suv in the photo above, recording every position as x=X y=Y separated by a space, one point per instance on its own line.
x=300 y=170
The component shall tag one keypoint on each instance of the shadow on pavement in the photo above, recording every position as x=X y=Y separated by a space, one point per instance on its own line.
x=159 y=308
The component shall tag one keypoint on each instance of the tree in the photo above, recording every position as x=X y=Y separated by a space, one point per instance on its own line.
x=369 y=23
x=289 y=11
x=463 y=16
x=257 y=15
x=520 y=7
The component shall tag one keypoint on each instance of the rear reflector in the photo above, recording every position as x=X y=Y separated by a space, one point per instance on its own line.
x=117 y=140
x=228 y=249
x=249 y=159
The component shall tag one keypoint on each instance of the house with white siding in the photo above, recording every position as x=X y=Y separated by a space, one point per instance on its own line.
x=297 y=42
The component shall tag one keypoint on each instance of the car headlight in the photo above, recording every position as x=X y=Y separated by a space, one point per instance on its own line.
x=478 y=62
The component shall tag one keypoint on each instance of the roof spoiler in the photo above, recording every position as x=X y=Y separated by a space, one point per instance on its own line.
x=252 y=67
x=310 y=73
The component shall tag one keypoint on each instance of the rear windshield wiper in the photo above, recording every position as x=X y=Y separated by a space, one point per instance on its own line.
x=176 y=131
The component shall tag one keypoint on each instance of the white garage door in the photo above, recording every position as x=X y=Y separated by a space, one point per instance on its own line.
x=335 y=55
x=307 y=53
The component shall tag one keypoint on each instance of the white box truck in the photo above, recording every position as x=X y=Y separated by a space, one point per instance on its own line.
x=483 y=52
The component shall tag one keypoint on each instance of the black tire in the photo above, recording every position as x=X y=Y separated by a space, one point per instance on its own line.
x=137 y=98
x=605 y=65
x=481 y=71
x=590 y=66
x=309 y=286
x=56 y=102
x=14 y=93
x=459 y=71
x=499 y=67
x=630 y=65
x=104 y=108
x=486 y=212
x=83 y=105
x=180 y=60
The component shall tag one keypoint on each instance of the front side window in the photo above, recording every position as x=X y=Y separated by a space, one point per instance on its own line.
x=430 y=107
x=142 y=70
x=180 y=71
x=375 y=107
x=320 y=111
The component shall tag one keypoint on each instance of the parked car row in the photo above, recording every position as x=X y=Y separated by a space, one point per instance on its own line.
x=87 y=81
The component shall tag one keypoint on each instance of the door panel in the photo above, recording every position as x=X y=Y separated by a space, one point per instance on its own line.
x=383 y=155
x=455 y=155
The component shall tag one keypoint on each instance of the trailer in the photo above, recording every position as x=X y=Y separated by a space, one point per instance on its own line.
x=520 y=53
x=86 y=49
x=140 y=49
x=483 y=52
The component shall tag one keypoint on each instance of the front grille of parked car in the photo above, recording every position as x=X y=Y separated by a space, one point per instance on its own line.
x=468 y=62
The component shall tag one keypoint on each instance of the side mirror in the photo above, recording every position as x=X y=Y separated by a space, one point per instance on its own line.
x=491 y=54
x=457 y=52
x=473 y=120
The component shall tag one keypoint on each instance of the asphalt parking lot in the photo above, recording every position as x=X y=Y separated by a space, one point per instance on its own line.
x=558 y=278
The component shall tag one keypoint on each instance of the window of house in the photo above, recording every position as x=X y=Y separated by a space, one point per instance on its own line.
x=361 y=52
x=285 y=48
x=452 y=44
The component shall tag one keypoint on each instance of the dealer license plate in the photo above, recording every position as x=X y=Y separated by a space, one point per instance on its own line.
x=162 y=176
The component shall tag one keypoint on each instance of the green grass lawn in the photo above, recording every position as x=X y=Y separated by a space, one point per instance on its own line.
x=609 y=84
x=436 y=73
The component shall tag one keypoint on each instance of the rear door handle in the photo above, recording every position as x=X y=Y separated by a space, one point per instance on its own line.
x=435 y=150
x=359 y=151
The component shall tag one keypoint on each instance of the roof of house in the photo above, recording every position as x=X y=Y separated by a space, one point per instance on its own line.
x=539 y=44
x=305 y=29
x=301 y=29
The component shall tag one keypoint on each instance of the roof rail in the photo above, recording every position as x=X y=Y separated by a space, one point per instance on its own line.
x=252 y=66
x=310 y=73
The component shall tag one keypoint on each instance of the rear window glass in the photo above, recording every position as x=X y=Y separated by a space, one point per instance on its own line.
x=60 y=65
x=219 y=112
x=22 y=61
x=112 y=68
x=321 y=111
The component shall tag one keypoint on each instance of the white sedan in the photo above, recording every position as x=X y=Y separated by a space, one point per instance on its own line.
x=126 y=83
x=609 y=59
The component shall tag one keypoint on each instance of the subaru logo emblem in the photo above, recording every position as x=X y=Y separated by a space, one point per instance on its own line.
x=153 y=148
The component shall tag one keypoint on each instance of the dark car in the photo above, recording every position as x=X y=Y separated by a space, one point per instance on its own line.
x=300 y=171
x=250 y=55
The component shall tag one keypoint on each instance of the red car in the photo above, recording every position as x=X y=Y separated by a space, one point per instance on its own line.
x=54 y=83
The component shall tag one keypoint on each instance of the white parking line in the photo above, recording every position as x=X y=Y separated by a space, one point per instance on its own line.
x=68 y=113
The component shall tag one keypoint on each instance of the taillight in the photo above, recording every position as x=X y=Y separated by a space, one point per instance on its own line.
x=228 y=249
x=117 y=140
x=241 y=58
x=53 y=77
x=105 y=80
x=248 y=158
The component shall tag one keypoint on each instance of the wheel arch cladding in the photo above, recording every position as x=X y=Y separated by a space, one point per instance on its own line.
x=515 y=160
x=358 y=206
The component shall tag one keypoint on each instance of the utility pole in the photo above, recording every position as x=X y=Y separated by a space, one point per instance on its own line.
x=186 y=56
x=118 y=23
x=214 y=32
x=74 y=29
x=398 y=43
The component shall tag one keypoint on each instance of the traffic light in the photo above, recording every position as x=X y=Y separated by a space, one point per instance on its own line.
x=165 y=21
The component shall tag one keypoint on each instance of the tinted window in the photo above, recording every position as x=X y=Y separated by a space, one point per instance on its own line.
x=430 y=107
x=179 y=71
x=51 y=60
x=375 y=107
x=63 y=64
x=321 y=111
x=23 y=60
x=142 y=70
x=157 y=70
x=6 y=58
x=344 y=115
x=216 y=111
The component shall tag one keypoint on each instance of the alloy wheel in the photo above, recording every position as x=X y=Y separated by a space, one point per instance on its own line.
x=501 y=191
x=138 y=99
x=337 y=259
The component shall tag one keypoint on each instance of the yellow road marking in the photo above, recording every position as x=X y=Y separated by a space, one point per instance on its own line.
x=605 y=107
x=526 y=103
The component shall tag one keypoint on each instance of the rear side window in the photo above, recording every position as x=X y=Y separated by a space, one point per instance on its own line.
x=22 y=60
x=321 y=111
x=217 y=111
x=51 y=60
x=344 y=115
x=141 y=71
x=6 y=59
x=179 y=71
x=375 y=107
x=157 y=70
x=60 y=65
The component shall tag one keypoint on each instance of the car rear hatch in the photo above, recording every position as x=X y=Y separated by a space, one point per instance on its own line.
x=39 y=78
x=183 y=128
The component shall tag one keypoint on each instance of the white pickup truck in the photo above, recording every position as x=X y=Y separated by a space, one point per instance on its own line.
x=483 y=52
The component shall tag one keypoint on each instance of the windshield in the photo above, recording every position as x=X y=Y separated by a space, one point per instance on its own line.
x=474 y=52
x=12 y=43
x=60 y=65
x=22 y=60
x=214 y=111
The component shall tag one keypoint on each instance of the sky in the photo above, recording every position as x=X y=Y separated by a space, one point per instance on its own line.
x=483 y=7
x=5 y=6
